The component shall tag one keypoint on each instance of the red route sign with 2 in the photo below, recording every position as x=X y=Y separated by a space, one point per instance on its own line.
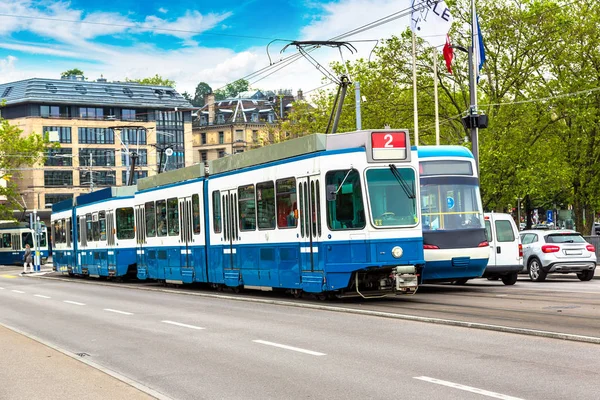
x=388 y=140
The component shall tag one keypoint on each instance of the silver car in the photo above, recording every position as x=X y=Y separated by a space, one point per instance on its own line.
x=557 y=251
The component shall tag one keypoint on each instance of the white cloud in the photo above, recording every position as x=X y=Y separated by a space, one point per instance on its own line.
x=192 y=63
x=163 y=10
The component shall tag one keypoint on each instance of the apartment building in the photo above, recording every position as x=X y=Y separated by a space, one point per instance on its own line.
x=102 y=127
x=235 y=125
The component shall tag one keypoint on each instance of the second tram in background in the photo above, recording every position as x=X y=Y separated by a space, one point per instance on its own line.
x=14 y=236
x=454 y=238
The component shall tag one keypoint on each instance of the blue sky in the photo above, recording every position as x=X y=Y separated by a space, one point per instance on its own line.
x=133 y=39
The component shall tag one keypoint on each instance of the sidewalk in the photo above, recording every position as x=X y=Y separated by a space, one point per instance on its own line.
x=31 y=370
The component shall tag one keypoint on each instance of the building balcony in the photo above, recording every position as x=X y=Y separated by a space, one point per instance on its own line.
x=239 y=144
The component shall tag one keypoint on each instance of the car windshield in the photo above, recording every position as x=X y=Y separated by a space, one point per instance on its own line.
x=565 y=238
x=450 y=204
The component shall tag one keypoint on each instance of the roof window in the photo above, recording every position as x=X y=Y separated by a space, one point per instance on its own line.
x=50 y=87
x=128 y=92
x=7 y=91
x=159 y=93
x=109 y=90
x=171 y=94
x=81 y=89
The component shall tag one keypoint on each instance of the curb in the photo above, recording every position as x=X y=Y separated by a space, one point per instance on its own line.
x=405 y=317
x=116 y=375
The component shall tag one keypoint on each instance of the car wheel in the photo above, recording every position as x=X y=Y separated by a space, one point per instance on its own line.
x=460 y=281
x=510 y=279
x=586 y=275
x=536 y=273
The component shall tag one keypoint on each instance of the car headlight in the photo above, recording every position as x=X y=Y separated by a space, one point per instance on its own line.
x=397 y=252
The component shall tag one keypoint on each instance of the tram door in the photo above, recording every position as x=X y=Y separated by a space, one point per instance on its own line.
x=231 y=269
x=185 y=239
x=309 y=220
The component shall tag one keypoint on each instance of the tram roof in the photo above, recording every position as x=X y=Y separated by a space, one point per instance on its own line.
x=279 y=151
x=103 y=194
x=443 y=151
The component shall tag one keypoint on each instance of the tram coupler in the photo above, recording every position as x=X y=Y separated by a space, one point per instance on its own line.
x=407 y=279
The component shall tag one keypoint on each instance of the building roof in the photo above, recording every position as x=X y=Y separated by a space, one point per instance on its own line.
x=66 y=91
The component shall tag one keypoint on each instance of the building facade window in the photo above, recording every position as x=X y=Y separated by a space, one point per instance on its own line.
x=137 y=175
x=96 y=112
x=221 y=153
x=142 y=159
x=170 y=133
x=220 y=119
x=58 y=178
x=255 y=137
x=128 y=115
x=100 y=157
x=64 y=132
x=133 y=136
x=254 y=117
x=203 y=156
x=55 y=111
x=59 y=158
x=203 y=138
x=239 y=135
x=96 y=136
x=99 y=178
x=221 y=137
x=54 y=198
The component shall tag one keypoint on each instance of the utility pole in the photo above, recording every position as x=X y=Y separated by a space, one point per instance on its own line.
x=357 y=101
x=91 y=173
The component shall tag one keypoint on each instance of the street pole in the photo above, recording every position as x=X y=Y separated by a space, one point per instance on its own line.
x=357 y=101
x=34 y=227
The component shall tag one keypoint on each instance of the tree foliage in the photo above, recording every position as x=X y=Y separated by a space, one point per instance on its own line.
x=155 y=80
x=232 y=89
x=202 y=89
x=74 y=71
x=539 y=87
x=16 y=152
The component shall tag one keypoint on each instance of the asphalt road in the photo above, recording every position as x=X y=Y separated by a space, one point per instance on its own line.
x=190 y=347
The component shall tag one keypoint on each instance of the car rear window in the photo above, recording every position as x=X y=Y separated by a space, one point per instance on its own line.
x=565 y=238
x=504 y=231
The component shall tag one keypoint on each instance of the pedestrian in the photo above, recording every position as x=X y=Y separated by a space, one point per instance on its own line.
x=28 y=259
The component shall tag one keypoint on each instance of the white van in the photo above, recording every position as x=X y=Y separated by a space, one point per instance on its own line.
x=506 y=251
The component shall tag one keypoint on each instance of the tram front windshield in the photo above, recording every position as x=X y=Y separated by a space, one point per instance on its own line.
x=392 y=196
x=451 y=203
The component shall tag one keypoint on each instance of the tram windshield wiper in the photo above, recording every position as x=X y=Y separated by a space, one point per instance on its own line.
x=408 y=189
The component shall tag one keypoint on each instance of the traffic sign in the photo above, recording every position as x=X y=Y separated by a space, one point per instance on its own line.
x=450 y=202
x=549 y=216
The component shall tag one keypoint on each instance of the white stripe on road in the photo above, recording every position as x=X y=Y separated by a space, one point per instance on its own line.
x=1 y=288
x=117 y=311
x=467 y=388
x=283 y=346
x=74 y=302
x=42 y=296
x=17 y=291
x=184 y=325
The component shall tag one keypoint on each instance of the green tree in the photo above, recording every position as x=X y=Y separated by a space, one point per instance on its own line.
x=16 y=152
x=202 y=89
x=232 y=89
x=74 y=71
x=155 y=80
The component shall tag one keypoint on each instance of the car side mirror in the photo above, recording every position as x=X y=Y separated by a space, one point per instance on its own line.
x=331 y=192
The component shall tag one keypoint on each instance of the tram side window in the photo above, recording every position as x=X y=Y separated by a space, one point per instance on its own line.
x=265 y=205
x=78 y=230
x=27 y=238
x=6 y=241
x=102 y=224
x=95 y=228
x=56 y=231
x=88 y=226
x=161 y=217
x=247 y=208
x=216 y=204
x=125 y=223
x=346 y=211
x=173 y=216
x=43 y=242
x=287 y=203
x=150 y=219
x=196 y=213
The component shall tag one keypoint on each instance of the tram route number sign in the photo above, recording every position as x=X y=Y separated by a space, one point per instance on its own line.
x=388 y=145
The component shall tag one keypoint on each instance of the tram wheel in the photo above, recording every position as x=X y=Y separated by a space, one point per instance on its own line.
x=237 y=289
x=322 y=296
x=460 y=281
x=297 y=293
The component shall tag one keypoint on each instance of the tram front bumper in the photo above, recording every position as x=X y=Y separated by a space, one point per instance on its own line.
x=406 y=278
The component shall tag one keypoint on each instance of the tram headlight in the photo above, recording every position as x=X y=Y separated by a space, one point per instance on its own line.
x=397 y=252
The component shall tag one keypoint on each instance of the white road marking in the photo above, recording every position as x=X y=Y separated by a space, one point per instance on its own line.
x=184 y=325
x=467 y=388
x=283 y=346
x=42 y=296
x=117 y=311
x=1 y=288
x=73 y=302
x=501 y=295
x=17 y=291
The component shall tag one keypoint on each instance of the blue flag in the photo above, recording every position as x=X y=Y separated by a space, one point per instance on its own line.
x=478 y=48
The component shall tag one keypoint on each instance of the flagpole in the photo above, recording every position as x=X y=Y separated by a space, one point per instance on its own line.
x=435 y=97
x=414 y=71
x=473 y=85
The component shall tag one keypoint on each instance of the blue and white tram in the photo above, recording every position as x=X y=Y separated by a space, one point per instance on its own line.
x=324 y=213
x=455 y=243
x=14 y=236
x=105 y=233
x=63 y=244
x=170 y=234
